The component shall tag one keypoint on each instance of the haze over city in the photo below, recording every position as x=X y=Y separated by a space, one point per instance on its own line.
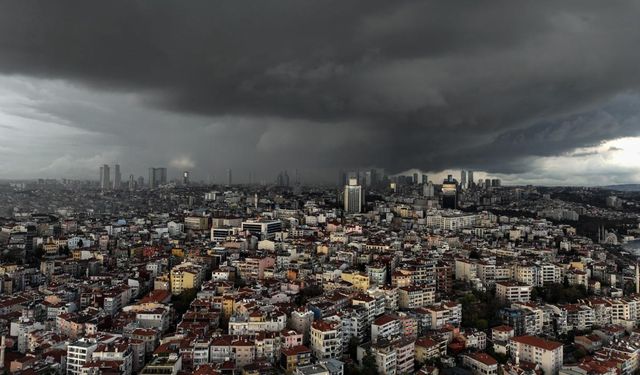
x=536 y=93
x=319 y=187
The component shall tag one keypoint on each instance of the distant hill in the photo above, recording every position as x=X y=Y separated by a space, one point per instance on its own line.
x=624 y=187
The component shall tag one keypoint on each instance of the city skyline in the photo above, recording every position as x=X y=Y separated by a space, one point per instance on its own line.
x=364 y=93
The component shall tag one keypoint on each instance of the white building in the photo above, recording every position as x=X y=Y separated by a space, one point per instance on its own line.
x=512 y=291
x=353 y=197
x=79 y=353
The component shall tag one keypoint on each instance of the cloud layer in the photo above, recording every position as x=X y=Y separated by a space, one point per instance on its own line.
x=318 y=85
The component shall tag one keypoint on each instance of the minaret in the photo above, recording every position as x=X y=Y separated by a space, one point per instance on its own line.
x=637 y=278
x=2 y=348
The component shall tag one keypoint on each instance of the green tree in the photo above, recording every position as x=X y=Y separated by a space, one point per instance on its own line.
x=369 y=365
x=182 y=302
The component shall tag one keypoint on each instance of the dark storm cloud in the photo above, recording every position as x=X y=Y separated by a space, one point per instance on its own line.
x=427 y=84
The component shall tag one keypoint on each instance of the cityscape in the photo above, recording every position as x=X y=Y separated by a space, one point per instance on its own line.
x=319 y=187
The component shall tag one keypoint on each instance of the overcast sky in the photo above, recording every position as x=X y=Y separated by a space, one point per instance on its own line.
x=533 y=92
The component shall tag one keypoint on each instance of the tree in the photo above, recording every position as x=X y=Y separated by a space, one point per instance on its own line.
x=369 y=365
x=353 y=347
x=579 y=354
x=182 y=302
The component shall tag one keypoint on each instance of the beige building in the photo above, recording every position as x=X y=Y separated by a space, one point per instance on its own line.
x=545 y=353
x=513 y=291
x=326 y=339
x=414 y=296
x=480 y=363
x=186 y=276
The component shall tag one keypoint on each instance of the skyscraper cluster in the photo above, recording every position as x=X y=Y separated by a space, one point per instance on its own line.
x=105 y=178
x=157 y=177
x=466 y=179
x=366 y=177
x=283 y=179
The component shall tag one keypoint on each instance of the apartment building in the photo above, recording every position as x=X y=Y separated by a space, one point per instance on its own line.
x=545 y=353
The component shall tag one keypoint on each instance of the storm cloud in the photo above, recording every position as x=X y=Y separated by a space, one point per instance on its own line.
x=321 y=85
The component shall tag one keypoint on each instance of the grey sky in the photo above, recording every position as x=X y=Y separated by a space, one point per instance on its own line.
x=260 y=86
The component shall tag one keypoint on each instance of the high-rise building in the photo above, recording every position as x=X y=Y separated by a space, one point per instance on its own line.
x=425 y=178
x=152 y=178
x=229 y=177
x=353 y=197
x=105 y=177
x=140 y=182
x=496 y=182
x=428 y=190
x=463 y=179
x=415 y=179
x=487 y=183
x=342 y=178
x=450 y=193
x=157 y=177
x=185 y=178
x=117 y=181
x=368 y=178
x=132 y=183
x=470 y=179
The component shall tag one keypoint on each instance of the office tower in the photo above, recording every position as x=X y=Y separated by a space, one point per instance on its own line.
x=495 y=182
x=463 y=179
x=280 y=179
x=415 y=178
x=105 y=177
x=487 y=183
x=367 y=178
x=163 y=176
x=185 y=178
x=470 y=178
x=157 y=177
x=450 y=193
x=152 y=178
x=117 y=181
x=428 y=190
x=229 y=177
x=353 y=197
x=132 y=183
x=425 y=178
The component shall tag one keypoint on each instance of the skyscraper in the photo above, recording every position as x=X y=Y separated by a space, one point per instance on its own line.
x=157 y=177
x=428 y=190
x=450 y=193
x=470 y=178
x=353 y=197
x=105 y=177
x=152 y=178
x=132 y=183
x=117 y=181
x=185 y=178
x=463 y=179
